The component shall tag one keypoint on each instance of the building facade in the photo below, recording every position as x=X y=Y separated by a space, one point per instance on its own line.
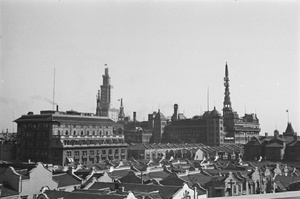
x=277 y=147
x=206 y=129
x=156 y=123
x=65 y=138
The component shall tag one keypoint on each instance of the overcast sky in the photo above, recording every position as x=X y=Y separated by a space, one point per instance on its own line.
x=158 y=52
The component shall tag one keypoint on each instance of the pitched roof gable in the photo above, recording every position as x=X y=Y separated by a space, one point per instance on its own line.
x=65 y=179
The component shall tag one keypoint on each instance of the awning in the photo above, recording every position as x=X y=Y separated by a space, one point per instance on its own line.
x=70 y=160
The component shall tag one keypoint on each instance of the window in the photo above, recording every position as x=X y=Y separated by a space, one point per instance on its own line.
x=69 y=153
x=74 y=132
x=88 y=133
x=92 y=152
x=76 y=153
x=84 y=152
x=103 y=151
x=67 y=132
x=81 y=132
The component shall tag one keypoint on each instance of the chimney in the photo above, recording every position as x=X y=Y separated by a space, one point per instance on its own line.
x=266 y=134
x=57 y=108
x=176 y=111
x=134 y=116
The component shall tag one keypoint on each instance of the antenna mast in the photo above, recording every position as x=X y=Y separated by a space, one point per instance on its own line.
x=53 y=90
x=208 y=98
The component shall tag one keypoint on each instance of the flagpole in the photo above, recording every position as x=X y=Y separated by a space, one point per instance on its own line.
x=288 y=116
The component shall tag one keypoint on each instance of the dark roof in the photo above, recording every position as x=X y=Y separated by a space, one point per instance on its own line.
x=197 y=178
x=214 y=113
x=286 y=180
x=289 y=129
x=64 y=179
x=101 y=185
x=62 y=117
x=53 y=194
x=164 y=191
x=131 y=177
x=173 y=180
x=274 y=145
x=159 y=115
x=7 y=191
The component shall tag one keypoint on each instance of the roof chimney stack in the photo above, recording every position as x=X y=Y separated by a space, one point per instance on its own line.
x=134 y=116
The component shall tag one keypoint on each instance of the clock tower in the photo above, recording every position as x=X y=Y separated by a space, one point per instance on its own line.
x=104 y=96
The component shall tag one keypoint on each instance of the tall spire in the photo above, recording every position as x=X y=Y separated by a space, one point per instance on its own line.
x=121 y=115
x=227 y=102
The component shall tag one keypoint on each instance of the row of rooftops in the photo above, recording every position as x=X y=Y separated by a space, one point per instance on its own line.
x=227 y=148
x=128 y=173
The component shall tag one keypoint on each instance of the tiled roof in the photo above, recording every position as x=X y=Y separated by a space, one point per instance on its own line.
x=53 y=194
x=82 y=173
x=286 y=180
x=101 y=185
x=197 y=178
x=274 y=145
x=118 y=173
x=131 y=177
x=164 y=191
x=7 y=191
x=173 y=180
x=65 y=180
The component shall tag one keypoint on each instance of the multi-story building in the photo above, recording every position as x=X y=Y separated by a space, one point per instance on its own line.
x=238 y=130
x=206 y=129
x=68 y=137
x=277 y=147
x=137 y=132
x=157 y=122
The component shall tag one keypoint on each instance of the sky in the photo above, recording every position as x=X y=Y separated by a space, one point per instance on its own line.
x=158 y=53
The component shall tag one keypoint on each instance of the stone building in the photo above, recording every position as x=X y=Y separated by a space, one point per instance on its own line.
x=66 y=138
x=157 y=122
x=136 y=131
x=206 y=129
x=277 y=147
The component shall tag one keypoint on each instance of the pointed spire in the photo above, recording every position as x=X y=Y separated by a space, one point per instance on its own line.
x=227 y=102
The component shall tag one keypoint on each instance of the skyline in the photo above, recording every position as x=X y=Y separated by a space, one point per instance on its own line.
x=158 y=54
